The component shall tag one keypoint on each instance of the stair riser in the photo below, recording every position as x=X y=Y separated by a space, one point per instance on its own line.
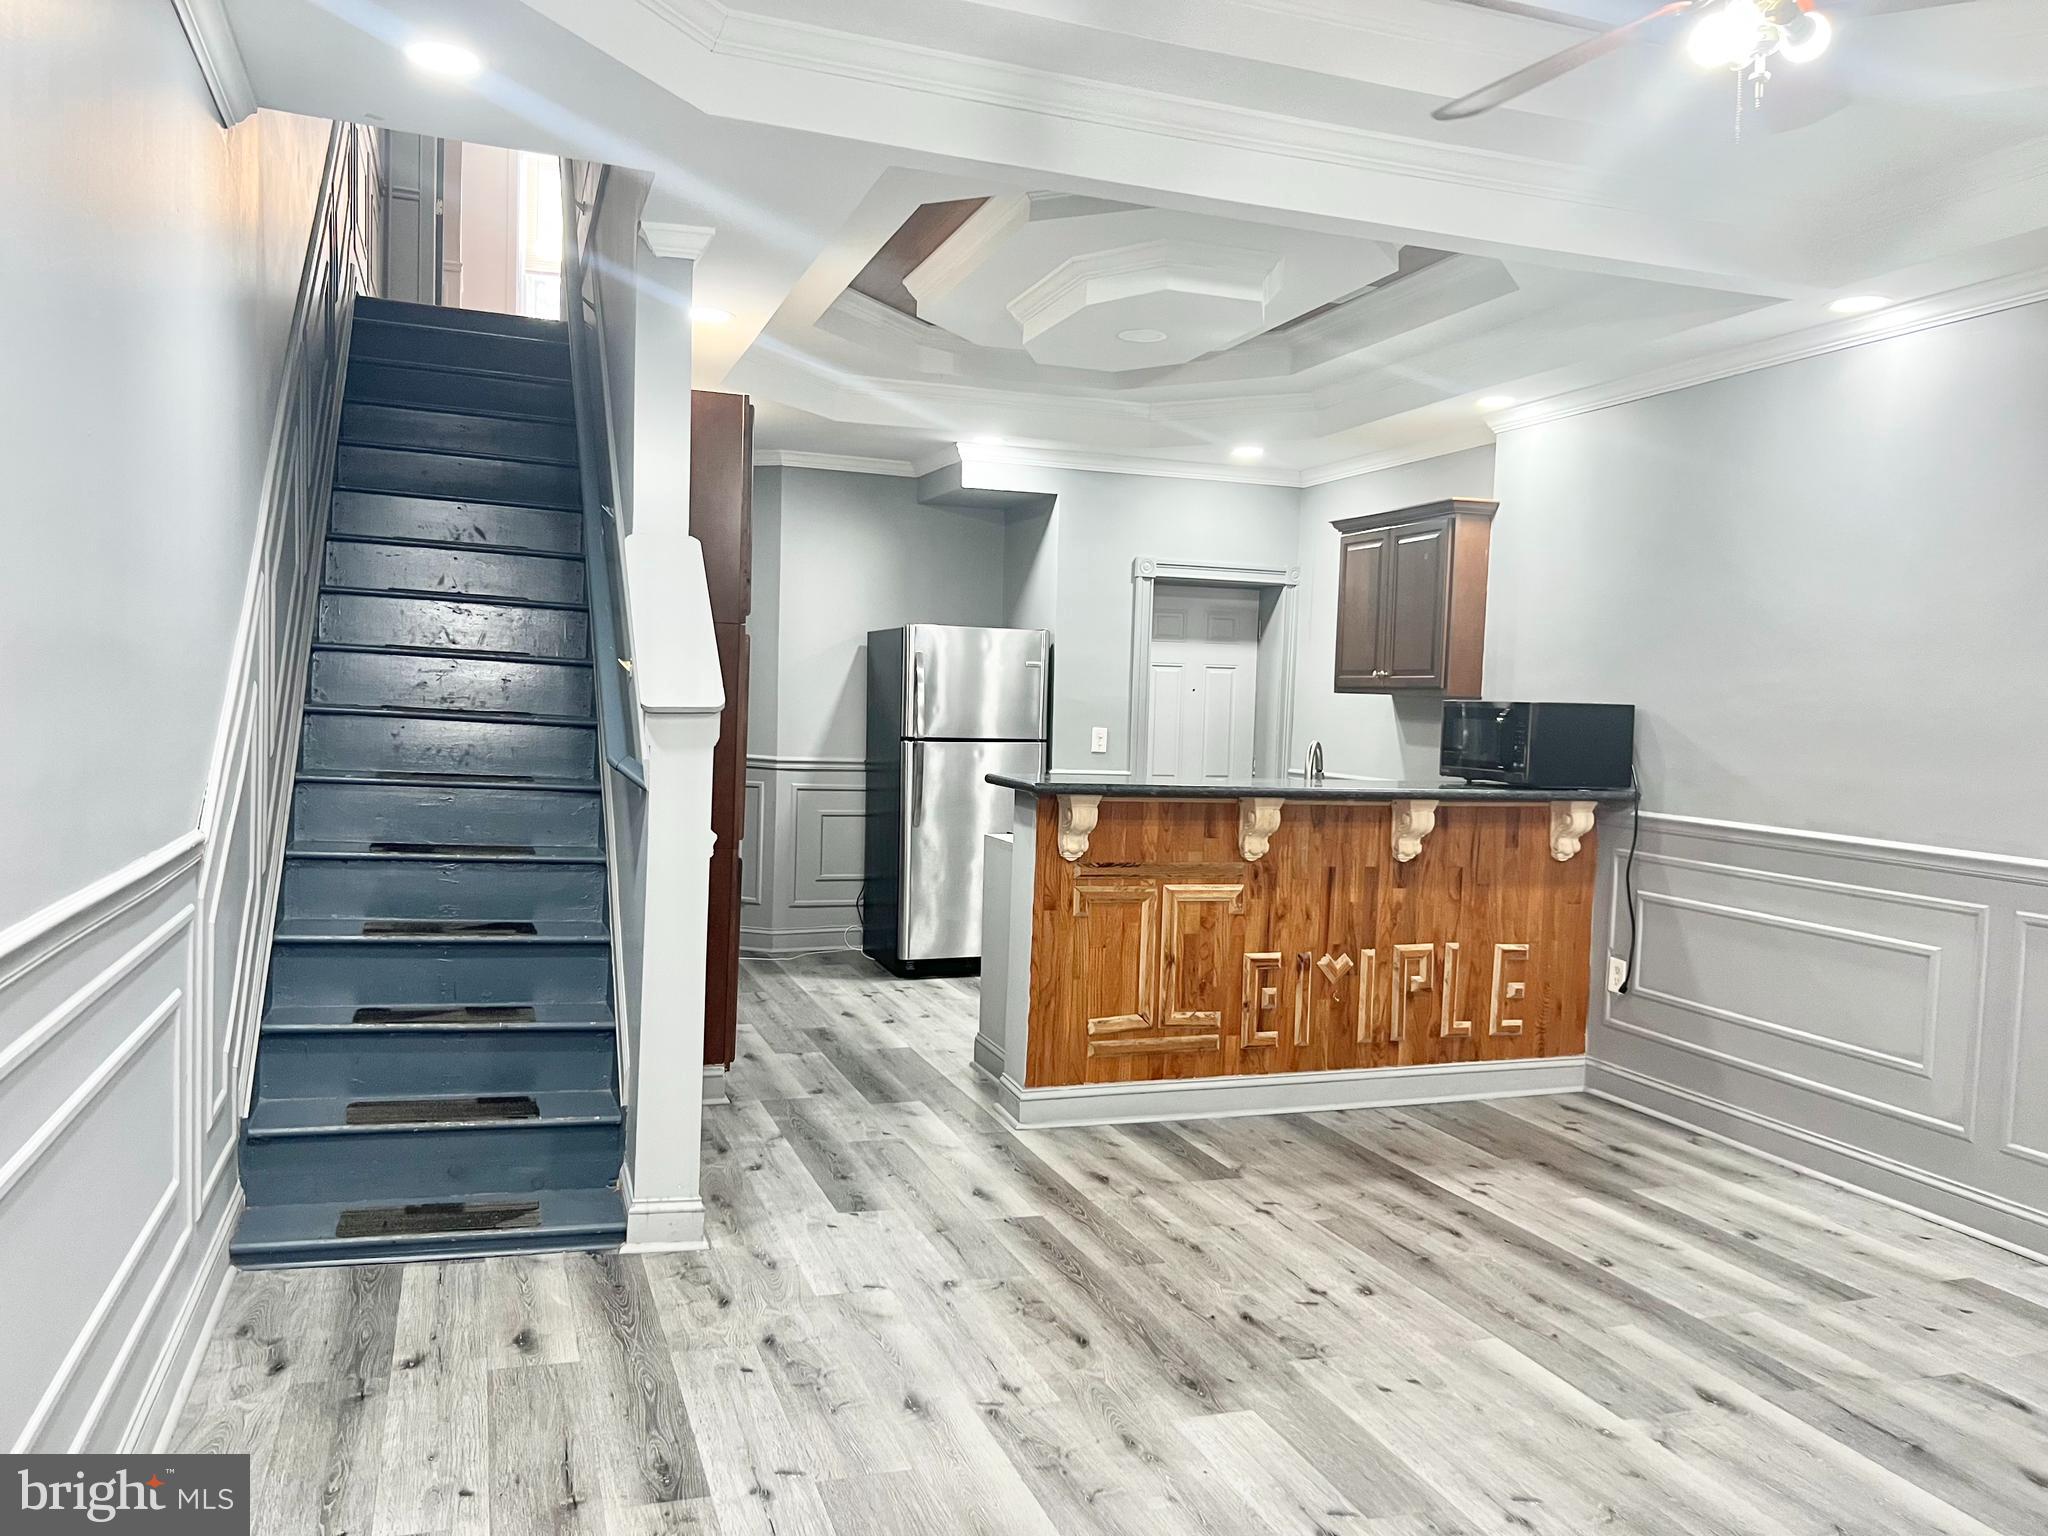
x=408 y=813
x=465 y=572
x=452 y=624
x=376 y=340
x=405 y=312
x=440 y=474
x=459 y=888
x=371 y=515
x=387 y=426
x=392 y=384
x=449 y=682
x=346 y=973
x=430 y=1163
x=366 y=744
x=399 y=1062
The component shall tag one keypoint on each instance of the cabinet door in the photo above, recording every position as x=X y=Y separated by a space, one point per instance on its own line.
x=1361 y=575
x=1418 y=562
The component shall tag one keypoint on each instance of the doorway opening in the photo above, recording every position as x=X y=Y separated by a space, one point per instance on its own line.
x=1212 y=672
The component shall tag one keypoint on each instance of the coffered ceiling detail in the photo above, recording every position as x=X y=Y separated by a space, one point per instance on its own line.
x=946 y=219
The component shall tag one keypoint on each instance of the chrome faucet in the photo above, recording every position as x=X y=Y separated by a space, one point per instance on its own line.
x=1312 y=769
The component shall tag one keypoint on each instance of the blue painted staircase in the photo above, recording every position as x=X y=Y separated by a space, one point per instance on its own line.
x=437 y=1072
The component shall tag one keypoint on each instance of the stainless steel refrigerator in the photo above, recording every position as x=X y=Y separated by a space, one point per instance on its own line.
x=947 y=706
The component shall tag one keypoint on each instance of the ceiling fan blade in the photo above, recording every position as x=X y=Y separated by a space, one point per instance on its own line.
x=1543 y=71
x=1536 y=13
x=1880 y=7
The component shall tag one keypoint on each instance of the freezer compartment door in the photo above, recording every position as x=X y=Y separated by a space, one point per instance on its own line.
x=974 y=684
x=948 y=804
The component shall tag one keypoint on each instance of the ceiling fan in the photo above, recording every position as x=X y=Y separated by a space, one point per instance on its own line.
x=1742 y=35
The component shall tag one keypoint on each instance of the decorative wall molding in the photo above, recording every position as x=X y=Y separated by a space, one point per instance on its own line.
x=792 y=901
x=1857 y=1006
x=212 y=36
x=145 y=984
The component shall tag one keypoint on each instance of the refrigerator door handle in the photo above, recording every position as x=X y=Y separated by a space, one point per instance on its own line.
x=917 y=691
x=917 y=785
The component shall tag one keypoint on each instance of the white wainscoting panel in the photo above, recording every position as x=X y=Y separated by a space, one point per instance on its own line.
x=1859 y=1007
x=128 y=1010
x=804 y=856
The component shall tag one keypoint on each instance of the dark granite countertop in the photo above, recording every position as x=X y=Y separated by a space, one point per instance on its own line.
x=1292 y=788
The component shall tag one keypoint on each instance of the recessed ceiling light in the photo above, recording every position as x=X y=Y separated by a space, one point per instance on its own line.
x=708 y=314
x=437 y=56
x=1859 y=303
x=1494 y=402
x=1144 y=336
x=1247 y=453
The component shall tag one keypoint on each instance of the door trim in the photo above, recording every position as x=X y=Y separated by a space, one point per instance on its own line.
x=1273 y=729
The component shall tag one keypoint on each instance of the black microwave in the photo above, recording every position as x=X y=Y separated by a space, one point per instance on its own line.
x=1540 y=746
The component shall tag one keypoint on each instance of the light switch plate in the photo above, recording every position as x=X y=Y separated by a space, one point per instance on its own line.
x=1617 y=973
x=1098 y=739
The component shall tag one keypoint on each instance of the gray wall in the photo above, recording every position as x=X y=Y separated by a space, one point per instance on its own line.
x=1821 y=584
x=1367 y=735
x=1101 y=525
x=148 y=268
x=836 y=555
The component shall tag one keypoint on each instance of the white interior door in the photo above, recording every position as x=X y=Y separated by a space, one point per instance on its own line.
x=1205 y=668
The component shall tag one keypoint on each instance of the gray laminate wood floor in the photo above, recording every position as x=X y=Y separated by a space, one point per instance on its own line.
x=1542 y=1316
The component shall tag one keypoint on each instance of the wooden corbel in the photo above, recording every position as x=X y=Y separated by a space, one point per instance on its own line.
x=1570 y=821
x=1413 y=821
x=1077 y=820
x=1258 y=818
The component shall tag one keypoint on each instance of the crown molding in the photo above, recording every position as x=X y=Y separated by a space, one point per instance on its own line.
x=700 y=20
x=1966 y=303
x=962 y=252
x=786 y=43
x=212 y=37
x=1115 y=464
x=1392 y=458
x=842 y=463
x=684 y=241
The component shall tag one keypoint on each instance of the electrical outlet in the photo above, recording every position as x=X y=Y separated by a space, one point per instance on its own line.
x=1617 y=973
x=1098 y=739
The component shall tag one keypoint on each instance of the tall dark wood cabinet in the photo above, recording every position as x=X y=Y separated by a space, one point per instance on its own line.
x=722 y=520
x=1411 y=598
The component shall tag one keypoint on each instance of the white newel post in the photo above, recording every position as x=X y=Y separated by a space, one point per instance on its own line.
x=680 y=696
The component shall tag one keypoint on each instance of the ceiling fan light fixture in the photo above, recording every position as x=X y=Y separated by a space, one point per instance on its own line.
x=1729 y=36
x=1805 y=37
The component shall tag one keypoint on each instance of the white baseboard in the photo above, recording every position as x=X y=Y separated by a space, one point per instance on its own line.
x=664 y=1226
x=1976 y=1212
x=158 y=1410
x=781 y=943
x=988 y=1057
x=716 y=1090
x=1281 y=1093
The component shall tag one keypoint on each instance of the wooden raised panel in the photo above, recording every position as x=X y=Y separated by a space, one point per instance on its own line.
x=1411 y=598
x=1114 y=928
x=1417 y=564
x=1326 y=954
x=1360 y=561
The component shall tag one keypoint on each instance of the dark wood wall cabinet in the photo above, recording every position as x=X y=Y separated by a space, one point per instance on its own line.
x=722 y=520
x=1411 y=598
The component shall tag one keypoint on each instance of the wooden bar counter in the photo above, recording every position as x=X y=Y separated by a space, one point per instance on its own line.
x=1167 y=951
